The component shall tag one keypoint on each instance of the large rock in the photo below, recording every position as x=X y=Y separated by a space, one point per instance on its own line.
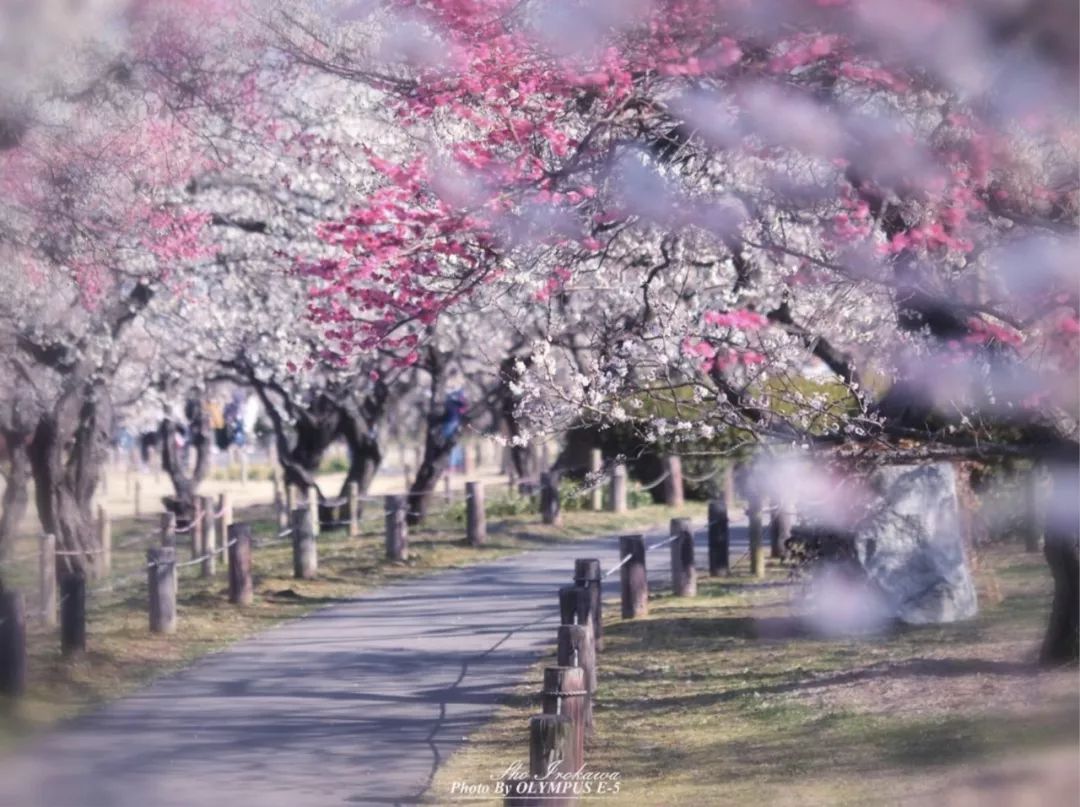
x=911 y=545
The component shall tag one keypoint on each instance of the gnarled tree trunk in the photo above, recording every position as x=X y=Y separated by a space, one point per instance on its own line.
x=175 y=464
x=66 y=454
x=1061 y=645
x=523 y=458
x=438 y=443
x=360 y=432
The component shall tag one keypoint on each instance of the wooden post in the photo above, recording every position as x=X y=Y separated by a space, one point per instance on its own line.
x=210 y=542
x=397 y=533
x=354 y=510
x=468 y=466
x=596 y=465
x=577 y=648
x=673 y=484
x=618 y=489
x=475 y=517
x=550 y=740
x=719 y=538
x=757 y=551
x=779 y=530
x=224 y=521
x=47 y=579
x=407 y=473
x=161 y=582
x=635 y=583
x=243 y=467
x=478 y=453
x=683 y=573
x=1034 y=517
x=305 y=550
x=446 y=487
x=587 y=575
x=566 y=693
x=138 y=498
x=198 y=538
x=72 y=614
x=168 y=529
x=12 y=644
x=104 y=527
x=574 y=606
x=241 y=588
x=313 y=509
x=549 y=498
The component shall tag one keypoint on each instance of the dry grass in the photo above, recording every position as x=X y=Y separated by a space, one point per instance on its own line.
x=724 y=699
x=122 y=654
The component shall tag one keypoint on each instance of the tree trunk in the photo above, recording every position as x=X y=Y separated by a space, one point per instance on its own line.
x=360 y=431
x=175 y=465
x=16 y=490
x=66 y=454
x=364 y=456
x=432 y=467
x=1061 y=548
x=314 y=429
x=440 y=441
x=520 y=455
x=1062 y=642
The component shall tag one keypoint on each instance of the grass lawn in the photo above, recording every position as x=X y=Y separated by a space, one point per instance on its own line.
x=723 y=699
x=122 y=654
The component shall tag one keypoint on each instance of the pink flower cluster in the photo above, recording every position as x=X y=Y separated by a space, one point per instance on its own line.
x=710 y=358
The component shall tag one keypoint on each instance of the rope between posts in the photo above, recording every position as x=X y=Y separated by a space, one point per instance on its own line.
x=570 y=693
x=618 y=566
x=71 y=553
x=696 y=479
x=665 y=542
x=656 y=482
x=584 y=491
x=648 y=549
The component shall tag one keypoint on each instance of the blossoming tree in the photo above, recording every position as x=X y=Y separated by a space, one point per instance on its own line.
x=717 y=199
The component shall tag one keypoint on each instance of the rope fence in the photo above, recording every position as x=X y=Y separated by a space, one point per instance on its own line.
x=157 y=574
x=568 y=690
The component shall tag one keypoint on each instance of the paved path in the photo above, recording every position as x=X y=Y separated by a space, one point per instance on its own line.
x=354 y=704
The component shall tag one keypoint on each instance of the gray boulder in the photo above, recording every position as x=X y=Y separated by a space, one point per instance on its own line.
x=911 y=545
